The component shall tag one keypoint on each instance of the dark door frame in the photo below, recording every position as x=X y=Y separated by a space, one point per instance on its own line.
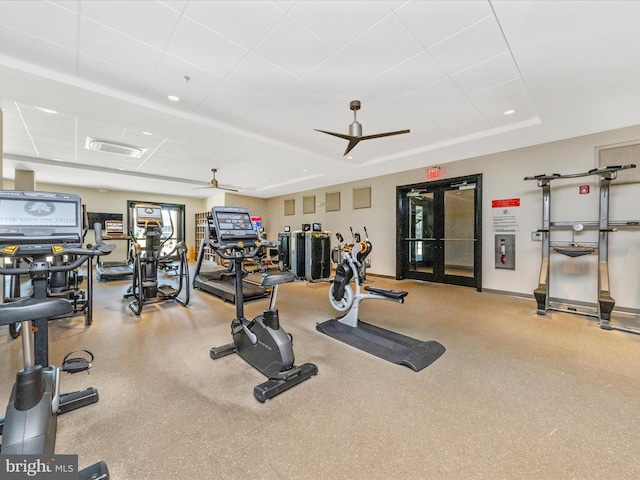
x=402 y=215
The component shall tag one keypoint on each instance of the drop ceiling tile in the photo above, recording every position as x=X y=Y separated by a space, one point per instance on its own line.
x=285 y=5
x=493 y=72
x=36 y=51
x=115 y=77
x=107 y=45
x=70 y=5
x=293 y=48
x=258 y=74
x=98 y=129
x=426 y=132
x=132 y=18
x=173 y=71
x=470 y=47
x=434 y=95
x=178 y=5
x=524 y=110
x=434 y=21
x=474 y=124
x=338 y=22
x=158 y=92
x=500 y=95
x=200 y=46
x=42 y=20
x=383 y=46
x=451 y=112
x=371 y=93
x=412 y=74
x=244 y=23
x=335 y=75
x=229 y=102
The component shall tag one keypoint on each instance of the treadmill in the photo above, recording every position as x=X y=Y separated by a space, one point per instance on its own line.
x=220 y=281
x=113 y=269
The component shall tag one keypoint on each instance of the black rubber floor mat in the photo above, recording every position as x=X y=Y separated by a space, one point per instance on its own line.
x=391 y=346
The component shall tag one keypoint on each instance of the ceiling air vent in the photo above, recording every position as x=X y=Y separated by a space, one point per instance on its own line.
x=117 y=148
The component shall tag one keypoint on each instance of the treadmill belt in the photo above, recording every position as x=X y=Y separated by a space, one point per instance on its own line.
x=391 y=346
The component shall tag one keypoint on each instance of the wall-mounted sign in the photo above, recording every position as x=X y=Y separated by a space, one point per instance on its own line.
x=505 y=214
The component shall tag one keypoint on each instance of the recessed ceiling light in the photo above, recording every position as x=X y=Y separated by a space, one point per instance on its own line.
x=350 y=157
x=509 y=112
x=147 y=133
x=46 y=110
x=173 y=98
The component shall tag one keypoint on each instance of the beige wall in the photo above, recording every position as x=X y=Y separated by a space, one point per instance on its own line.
x=503 y=177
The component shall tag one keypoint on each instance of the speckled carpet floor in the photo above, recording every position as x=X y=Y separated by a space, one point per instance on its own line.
x=515 y=395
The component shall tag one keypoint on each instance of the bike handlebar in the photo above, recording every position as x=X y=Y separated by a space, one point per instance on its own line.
x=83 y=255
x=240 y=247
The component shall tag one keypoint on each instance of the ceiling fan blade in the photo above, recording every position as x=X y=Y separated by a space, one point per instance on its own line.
x=387 y=134
x=341 y=135
x=353 y=141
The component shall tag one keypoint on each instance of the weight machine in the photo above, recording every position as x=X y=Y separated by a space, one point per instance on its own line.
x=605 y=302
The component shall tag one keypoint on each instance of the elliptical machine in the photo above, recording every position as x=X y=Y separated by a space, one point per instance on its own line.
x=43 y=225
x=261 y=342
x=145 y=287
x=383 y=343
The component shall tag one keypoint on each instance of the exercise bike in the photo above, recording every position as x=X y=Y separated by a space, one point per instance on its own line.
x=29 y=425
x=386 y=344
x=261 y=342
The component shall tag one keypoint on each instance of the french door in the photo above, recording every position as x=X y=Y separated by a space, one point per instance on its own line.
x=439 y=231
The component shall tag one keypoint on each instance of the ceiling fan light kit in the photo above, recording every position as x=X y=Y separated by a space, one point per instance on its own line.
x=355 y=130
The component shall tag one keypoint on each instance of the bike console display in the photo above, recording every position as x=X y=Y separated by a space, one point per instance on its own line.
x=233 y=224
x=38 y=220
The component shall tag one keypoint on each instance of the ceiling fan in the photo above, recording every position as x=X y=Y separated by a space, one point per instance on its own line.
x=355 y=130
x=213 y=183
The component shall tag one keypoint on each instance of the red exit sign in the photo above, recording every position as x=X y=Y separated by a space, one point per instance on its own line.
x=433 y=173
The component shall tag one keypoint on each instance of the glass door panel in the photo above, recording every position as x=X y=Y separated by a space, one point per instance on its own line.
x=459 y=232
x=420 y=241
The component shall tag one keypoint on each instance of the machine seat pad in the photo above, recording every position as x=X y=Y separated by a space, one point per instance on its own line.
x=397 y=294
x=28 y=308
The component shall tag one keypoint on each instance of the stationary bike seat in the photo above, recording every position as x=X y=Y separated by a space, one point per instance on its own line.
x=29 y=308
x=271 y=279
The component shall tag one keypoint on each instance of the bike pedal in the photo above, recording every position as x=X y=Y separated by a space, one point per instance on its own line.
x=77 y=364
